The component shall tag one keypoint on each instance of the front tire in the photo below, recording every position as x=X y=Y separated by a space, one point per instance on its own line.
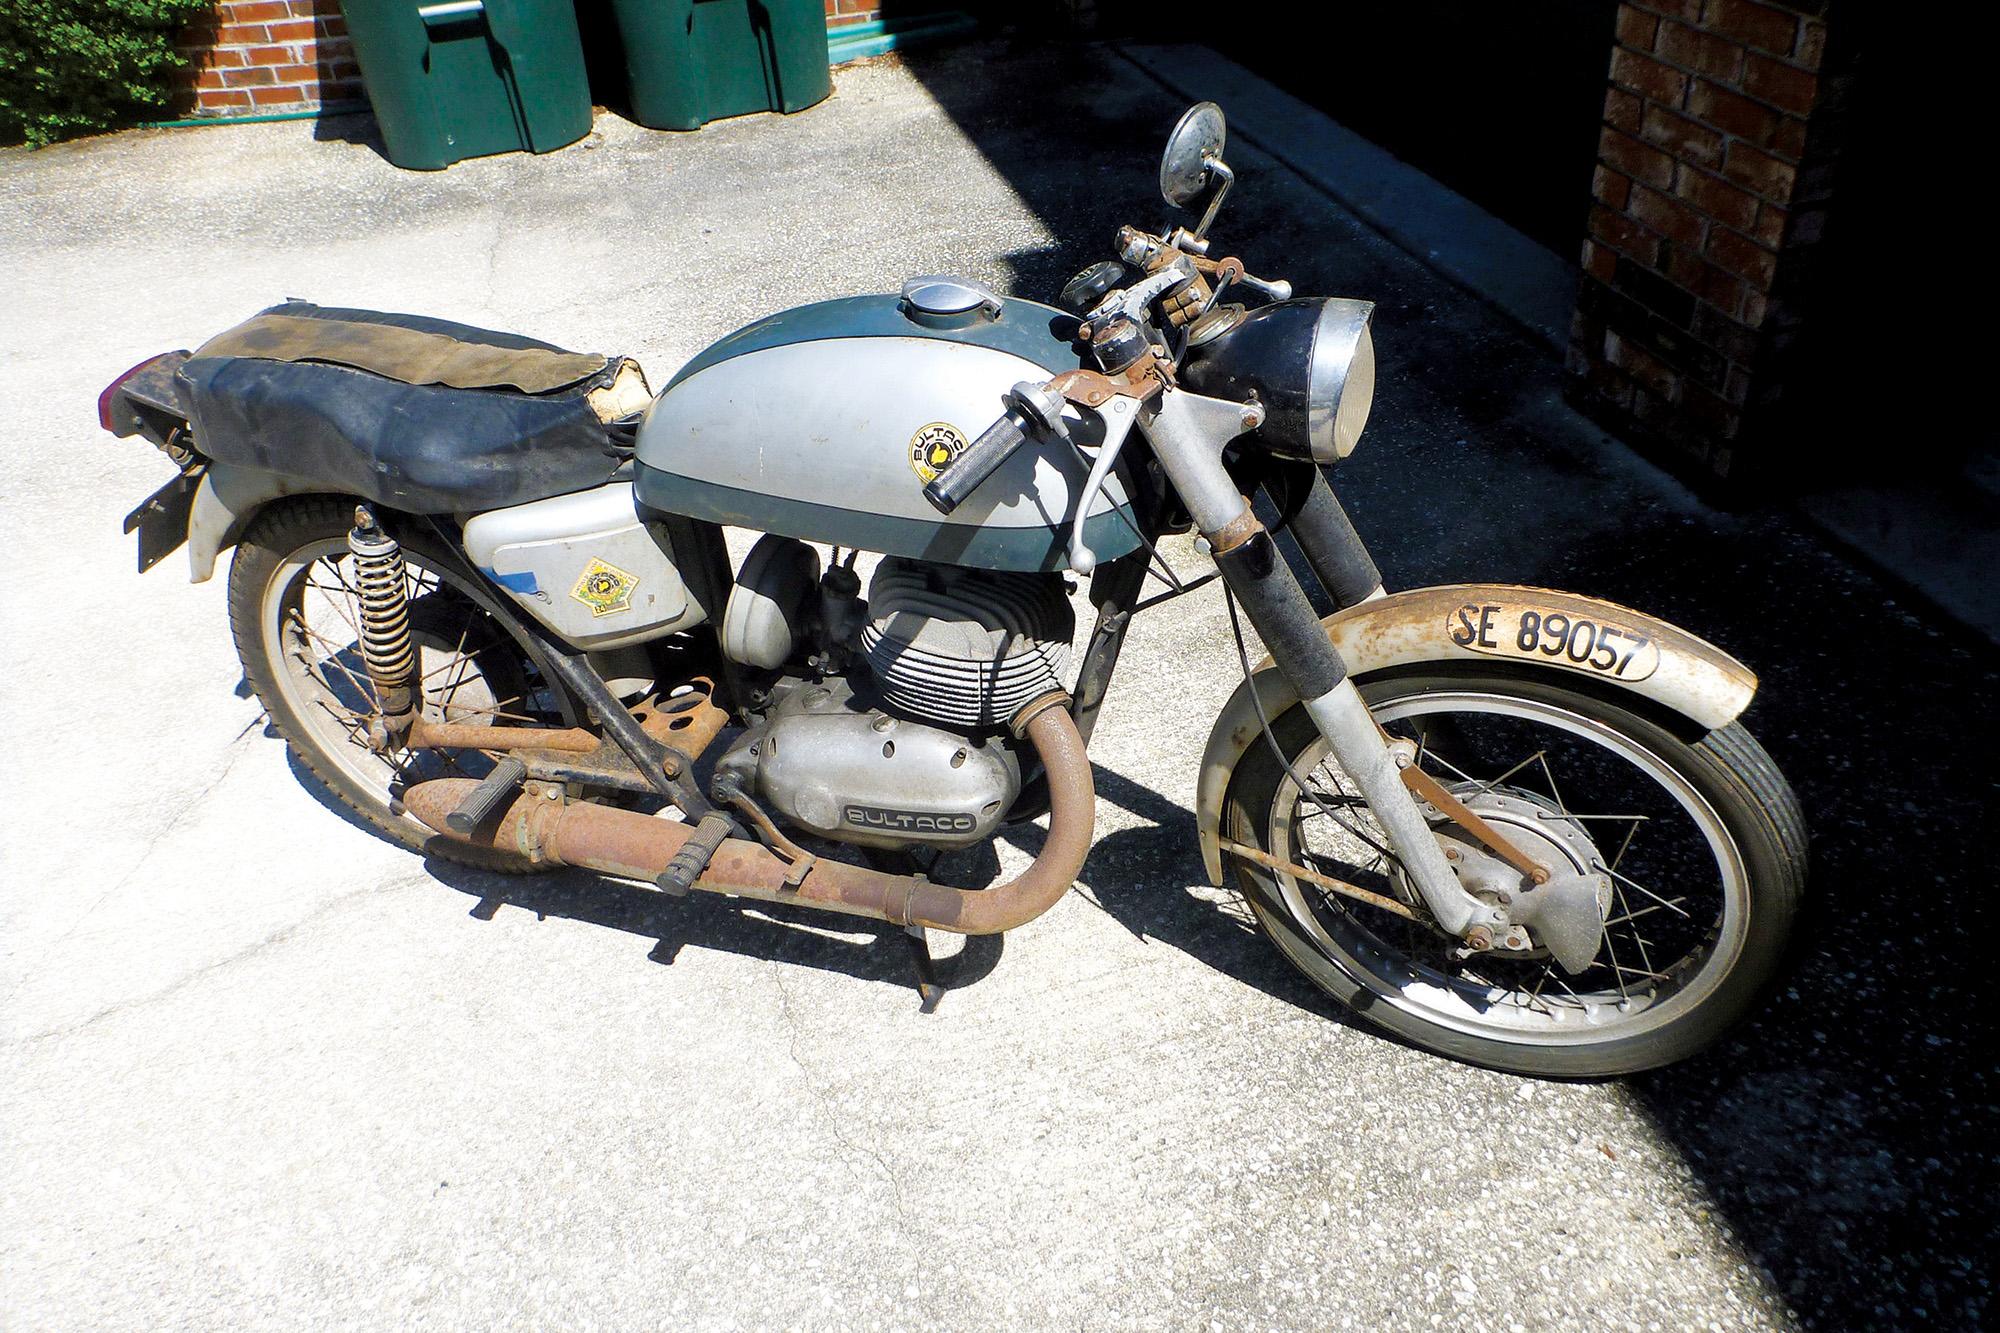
x=1703 y=839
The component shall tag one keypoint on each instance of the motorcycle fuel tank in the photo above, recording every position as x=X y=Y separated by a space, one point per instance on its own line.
x=825 y=422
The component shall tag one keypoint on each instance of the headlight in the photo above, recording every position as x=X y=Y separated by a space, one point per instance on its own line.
x=1310 y=363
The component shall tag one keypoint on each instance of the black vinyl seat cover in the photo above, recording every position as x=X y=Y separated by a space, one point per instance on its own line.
x=424 y=447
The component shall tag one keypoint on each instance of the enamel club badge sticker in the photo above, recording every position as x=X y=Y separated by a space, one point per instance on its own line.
x=605 y=588
x=933 y=447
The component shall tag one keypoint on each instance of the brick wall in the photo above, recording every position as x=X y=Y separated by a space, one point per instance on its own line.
x=1709 y=186
x=840 y=13
x=256 y=57
x=253 y=57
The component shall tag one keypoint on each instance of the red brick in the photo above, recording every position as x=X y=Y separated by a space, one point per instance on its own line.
x=1760 y=172
x=292 y=30
x=1642 y=366
x=1636 y=28
x=297 y=73
x=1648 y=77
x=331 y=27
x=1623 y=109
x=1702 y=52
x=209 y=80
x=1756 y=307
x=1784 y=86
x=1636 y=159
x=1733 y=113
x=1769 y=228
x=1789 y=139
x=266 y=55
x=1719 y=287
x=1624 y=235
x=242 y=34
x=247 y=78
x=276 y=96
x=1681 y=137
x=220 y=101
x=1599 y=261
x=1610 y=188
x=1754 y=25
x=1678 y=9
x=1675 y=221
x=1812 y=44
x=1743 y=257
x=1717 y=198
x=255 y=11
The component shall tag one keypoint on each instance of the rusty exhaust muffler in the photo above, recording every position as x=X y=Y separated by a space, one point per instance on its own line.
x=635 y=846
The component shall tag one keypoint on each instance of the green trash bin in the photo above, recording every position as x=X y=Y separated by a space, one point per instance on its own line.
x=692 y=61
x=452 y=79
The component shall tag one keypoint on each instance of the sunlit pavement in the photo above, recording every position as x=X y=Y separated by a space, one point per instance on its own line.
x=263 y=1067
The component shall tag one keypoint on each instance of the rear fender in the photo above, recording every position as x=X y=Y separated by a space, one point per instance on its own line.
x=227 y=499
x=1466 y=622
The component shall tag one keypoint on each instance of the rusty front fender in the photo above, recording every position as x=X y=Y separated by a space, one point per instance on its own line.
x=1465 y=622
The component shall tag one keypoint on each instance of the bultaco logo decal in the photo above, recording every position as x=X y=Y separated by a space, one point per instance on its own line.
x=605 y=588
x=933 y=447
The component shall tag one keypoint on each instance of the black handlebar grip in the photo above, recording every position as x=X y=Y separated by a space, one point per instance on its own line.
x=960 y=477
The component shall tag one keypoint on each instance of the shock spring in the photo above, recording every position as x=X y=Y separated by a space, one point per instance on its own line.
x=382 y=588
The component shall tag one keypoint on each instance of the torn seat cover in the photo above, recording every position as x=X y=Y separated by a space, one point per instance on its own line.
x=418 y=414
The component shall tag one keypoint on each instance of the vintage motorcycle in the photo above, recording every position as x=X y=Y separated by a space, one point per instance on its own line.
x=482 y=587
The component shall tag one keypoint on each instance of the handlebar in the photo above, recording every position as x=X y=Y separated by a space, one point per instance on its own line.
x=981 y=459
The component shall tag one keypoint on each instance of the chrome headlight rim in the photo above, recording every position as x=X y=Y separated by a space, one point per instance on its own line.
x=1341 y=376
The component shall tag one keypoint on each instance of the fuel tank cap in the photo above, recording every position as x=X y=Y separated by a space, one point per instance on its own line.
x=939 y=301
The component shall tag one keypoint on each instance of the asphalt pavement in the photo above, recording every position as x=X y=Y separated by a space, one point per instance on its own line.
x=263 y=1069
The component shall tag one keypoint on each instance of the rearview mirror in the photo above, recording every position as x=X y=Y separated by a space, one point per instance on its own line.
x=1194 y=150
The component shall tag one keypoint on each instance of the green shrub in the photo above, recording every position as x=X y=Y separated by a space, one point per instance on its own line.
x=71 y=66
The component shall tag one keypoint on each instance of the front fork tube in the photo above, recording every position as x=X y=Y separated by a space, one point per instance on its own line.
x=1188 y=433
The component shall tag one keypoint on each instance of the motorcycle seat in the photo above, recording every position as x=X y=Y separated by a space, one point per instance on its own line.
x=420 y=414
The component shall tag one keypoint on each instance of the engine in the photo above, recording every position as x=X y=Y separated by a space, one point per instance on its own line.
x=914 y=748
x=964 y=648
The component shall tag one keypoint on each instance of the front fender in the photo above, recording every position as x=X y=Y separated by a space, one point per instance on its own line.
x=1465 y=622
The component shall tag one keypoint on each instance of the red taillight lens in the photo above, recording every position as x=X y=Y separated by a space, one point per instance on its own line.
x=107 y=400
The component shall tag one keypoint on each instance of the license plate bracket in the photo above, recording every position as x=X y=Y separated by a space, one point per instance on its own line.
x=162 y=520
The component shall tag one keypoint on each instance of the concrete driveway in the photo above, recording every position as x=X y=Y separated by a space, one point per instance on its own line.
x=261 y=1068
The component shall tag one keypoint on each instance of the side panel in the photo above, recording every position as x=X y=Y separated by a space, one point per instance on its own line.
x=585 y=565
x=1465 y=622
x=820 y=440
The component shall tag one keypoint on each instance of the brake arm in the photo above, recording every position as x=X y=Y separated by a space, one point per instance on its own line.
x=1427 y=788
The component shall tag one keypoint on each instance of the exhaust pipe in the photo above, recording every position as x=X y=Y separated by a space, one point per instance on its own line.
x=635 y=846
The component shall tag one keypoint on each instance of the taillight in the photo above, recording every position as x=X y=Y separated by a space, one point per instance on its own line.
x=107 y=401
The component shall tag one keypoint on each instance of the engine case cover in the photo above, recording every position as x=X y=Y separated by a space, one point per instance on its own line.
x=827 y=763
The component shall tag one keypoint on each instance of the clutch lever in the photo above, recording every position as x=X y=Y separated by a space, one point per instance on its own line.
x=1119 y=414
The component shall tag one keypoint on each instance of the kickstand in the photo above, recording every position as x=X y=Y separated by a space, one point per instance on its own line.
x=929 y=989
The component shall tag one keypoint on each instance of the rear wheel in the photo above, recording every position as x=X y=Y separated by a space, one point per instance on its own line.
x=292 y=608
x=1701 y=843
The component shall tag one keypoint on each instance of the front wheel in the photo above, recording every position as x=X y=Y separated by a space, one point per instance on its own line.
x=1701 y=841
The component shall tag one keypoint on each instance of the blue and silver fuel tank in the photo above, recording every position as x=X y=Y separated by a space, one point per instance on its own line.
x=825 y=422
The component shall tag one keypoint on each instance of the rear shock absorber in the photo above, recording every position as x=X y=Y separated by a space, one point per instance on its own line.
x=387 y=650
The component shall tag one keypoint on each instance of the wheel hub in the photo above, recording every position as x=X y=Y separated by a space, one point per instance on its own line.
x=1537 y=828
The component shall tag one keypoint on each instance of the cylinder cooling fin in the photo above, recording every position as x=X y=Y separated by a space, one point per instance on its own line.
x=965 y=647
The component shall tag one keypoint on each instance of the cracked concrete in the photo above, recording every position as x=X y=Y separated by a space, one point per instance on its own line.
x=263 y=1068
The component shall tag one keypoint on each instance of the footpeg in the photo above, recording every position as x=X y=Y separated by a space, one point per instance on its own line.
x=496 y=788
x=694 y=855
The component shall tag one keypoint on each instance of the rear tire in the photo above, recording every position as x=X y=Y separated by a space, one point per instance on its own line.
x=1403 y=977
x=308 y=678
